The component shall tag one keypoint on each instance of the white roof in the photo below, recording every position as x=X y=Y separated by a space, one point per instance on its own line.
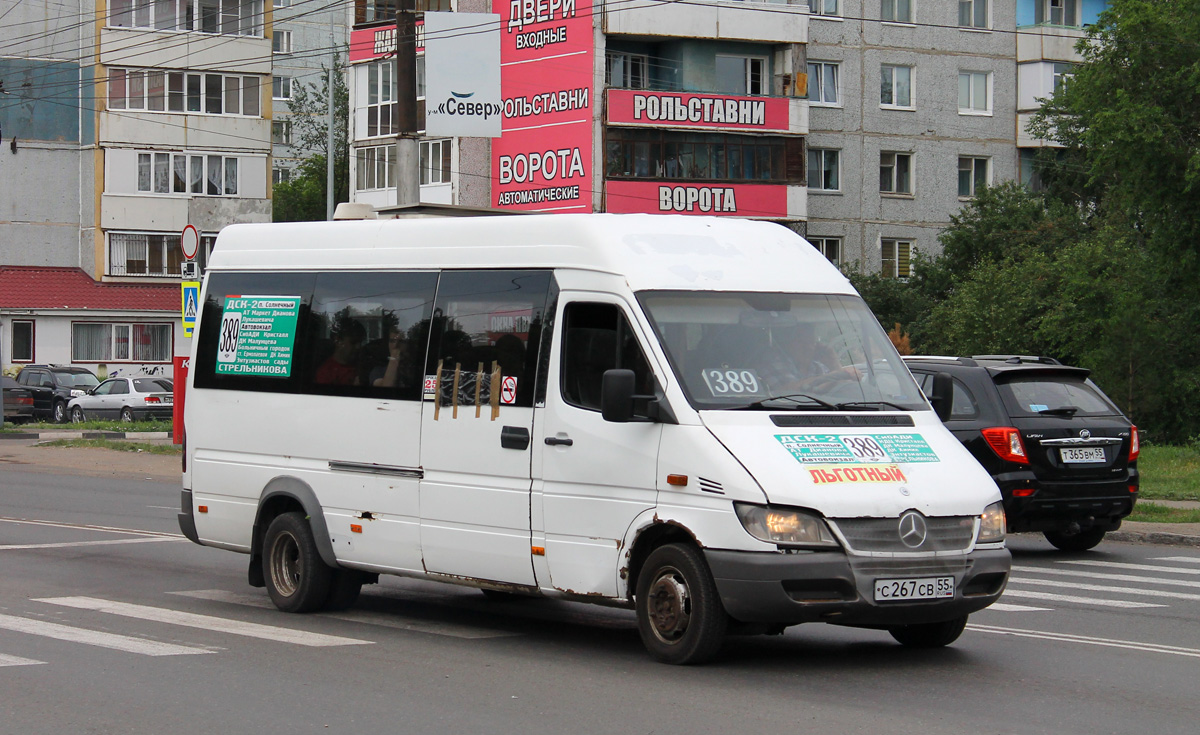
x=667 y=252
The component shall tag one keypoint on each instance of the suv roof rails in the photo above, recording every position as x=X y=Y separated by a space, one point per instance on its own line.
x=967 y=361
x=1019 y=359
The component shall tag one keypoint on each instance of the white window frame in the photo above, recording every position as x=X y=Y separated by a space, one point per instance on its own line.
x=972 y=171
x=1045 y=10
x=633 y=69
x=281 y=42
x=817 y=76
x=183 y=93
x=121 y=242
x=830 y=247
x=973 y=10
x=436 y=157
x=825 y=8
x=186 y=173
x=895 y=6
x=894 y=70
x=973 y=80
x=375 y=168
x=895 y=257
x=281 y=132
x=232 y=17
x=281 y=87
x=281 y=174
x=821 y=170
x=381 y=99
x=114 y=348
x=749 y=64
x=12 y=343
x=1060 y=72
x=894 y=162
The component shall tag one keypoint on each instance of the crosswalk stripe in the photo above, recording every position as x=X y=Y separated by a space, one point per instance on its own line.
x=1050 y=596
x=1137 y=567
x=1008 y=607
x=204 y=622
x=1106 y=588
x=356 y=616
x=1086 y=640
x=1112 y=577
x=1183 y=559
x=17 y=661
x=95 y=637
x=70 y=544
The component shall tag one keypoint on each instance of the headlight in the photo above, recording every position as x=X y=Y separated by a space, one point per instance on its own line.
x=992 y=524
x=784 y=526
x=75 y=392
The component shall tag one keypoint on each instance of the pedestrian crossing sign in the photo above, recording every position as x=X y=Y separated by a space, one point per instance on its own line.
x=191 y=306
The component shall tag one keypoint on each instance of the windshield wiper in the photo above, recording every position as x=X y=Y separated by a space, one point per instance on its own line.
x=866 y=405
x=795 y=398
x=1060 y=411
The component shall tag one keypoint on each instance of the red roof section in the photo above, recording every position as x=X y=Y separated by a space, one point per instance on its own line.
x=40 y=287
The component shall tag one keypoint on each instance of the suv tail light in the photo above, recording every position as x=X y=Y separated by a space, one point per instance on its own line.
x=1006 y=442
x=1135 y=446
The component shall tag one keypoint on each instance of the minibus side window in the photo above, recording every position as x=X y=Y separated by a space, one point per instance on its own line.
x=487 y=319
x=597 y=337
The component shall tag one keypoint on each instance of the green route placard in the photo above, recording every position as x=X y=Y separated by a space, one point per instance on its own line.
x=257 y=336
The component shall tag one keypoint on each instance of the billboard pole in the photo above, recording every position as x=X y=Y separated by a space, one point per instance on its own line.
x=408 y=145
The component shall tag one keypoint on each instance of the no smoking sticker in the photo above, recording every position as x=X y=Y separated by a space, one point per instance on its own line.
x=508 y=390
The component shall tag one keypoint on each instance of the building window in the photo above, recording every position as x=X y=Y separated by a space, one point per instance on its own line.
x=633 y=153
x=973 y=13
x=281 y=132
x=974 y=92
x=231 y=17
x=176 y=91
x=281 y=88
x=1057 y=12
x=184 y=173
x=895 y=173
x=741 y=75
x=823 y=169
x=280 y=175
x=143 y=254
x=375 y=167
x=895 y=86
x=896 y=258
x=830 y=247
x=626 y=71
x=381 y=93
x=106 y=342
x=435 y=161
x=896 y=11
x=282 y=3
x=22 y=341
x=281 y=42
x=1061 y=73
x=824 y=7
x=973 y=175
x=823 y=82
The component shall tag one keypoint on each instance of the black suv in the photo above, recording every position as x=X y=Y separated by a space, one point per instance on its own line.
x=53 y=386
x=1064 y=456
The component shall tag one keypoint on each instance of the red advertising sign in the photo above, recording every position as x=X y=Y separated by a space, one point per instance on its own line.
x=707 y=111
x=543 y=159
x=767 y=201
x=367 y=44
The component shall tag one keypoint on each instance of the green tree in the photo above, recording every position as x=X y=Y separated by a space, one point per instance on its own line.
x=303 y=197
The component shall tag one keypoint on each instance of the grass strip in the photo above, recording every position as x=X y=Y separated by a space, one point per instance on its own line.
x=115 y=444
x=1154 y=513
x=1170 y=472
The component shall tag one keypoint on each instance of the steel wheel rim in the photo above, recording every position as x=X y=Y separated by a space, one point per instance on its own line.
x=60 y=412
x=126 y=415
x=286 y=566
x=668 y=605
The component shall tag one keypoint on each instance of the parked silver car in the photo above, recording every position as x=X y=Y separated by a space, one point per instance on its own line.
x=128 y=399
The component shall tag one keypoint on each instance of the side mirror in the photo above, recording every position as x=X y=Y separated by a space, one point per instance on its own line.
x=943 y=395
x=616 y=395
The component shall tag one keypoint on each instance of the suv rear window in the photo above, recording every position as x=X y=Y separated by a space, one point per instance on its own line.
x=1042 y=395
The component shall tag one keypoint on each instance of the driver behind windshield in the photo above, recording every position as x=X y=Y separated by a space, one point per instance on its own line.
x=796 y=360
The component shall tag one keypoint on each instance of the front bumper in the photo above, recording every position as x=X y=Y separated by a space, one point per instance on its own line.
x=832 y=587
x=155 y=412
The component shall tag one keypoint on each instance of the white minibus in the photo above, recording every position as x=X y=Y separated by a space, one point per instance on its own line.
x=695 y=418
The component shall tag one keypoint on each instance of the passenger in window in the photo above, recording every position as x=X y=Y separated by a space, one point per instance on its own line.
x=398 y=362
x=340 y=368
x=797 y=361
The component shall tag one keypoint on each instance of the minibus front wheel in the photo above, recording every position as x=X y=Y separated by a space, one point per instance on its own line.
x=297 y=579
x=680 y=616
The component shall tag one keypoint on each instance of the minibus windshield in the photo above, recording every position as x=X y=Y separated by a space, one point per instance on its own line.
x=778 y=351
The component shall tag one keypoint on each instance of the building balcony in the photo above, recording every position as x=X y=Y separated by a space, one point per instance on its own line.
x=724 y=20
x=706 y=111
x=1048 y=43
x=722 y=199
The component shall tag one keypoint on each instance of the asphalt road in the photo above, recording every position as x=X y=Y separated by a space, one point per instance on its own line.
x=110 y=623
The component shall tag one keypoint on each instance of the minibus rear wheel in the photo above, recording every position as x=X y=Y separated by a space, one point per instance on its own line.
x=680 y=615
x=929 y=635
x=297 y=579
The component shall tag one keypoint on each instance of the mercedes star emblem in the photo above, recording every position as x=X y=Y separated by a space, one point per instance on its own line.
x=912 y=529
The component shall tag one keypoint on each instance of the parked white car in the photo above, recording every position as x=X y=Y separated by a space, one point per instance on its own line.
x=129 y=399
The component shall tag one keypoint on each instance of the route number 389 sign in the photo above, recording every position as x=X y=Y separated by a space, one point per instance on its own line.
x=731 y=382
x=257 y=335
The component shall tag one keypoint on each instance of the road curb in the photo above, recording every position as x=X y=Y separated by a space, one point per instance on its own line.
x=1153 y=537
x=51 y=435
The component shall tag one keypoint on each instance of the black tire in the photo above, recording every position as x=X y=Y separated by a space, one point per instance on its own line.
x=929 y=635
x=127 y=415
x=60 y=412
x=344 y=589
x=1081 y=541
x=679 y=613
x=297 y=580
x=77 y=416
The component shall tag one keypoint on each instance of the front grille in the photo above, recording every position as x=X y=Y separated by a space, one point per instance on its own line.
x=877 y=567
x=883 y=534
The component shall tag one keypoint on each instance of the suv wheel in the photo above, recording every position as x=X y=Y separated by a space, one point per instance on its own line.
x=60 y=412
x=1079 y=541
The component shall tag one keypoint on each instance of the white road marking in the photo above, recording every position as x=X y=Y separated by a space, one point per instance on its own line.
x=88 y=527
x=1137 y=567
x=1006 y=607
x=1106 y=588
x=69 y=544
x=17 y=661
x=204 y=622
x=357 y=616
x=1086 y=640
x=163 y=507
x=1184 y=559
x=95 y=637
x=1028 y=594
x=1112 y=577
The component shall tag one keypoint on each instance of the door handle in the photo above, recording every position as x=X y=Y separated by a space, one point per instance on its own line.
x=514 y=437
x=560 y=441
